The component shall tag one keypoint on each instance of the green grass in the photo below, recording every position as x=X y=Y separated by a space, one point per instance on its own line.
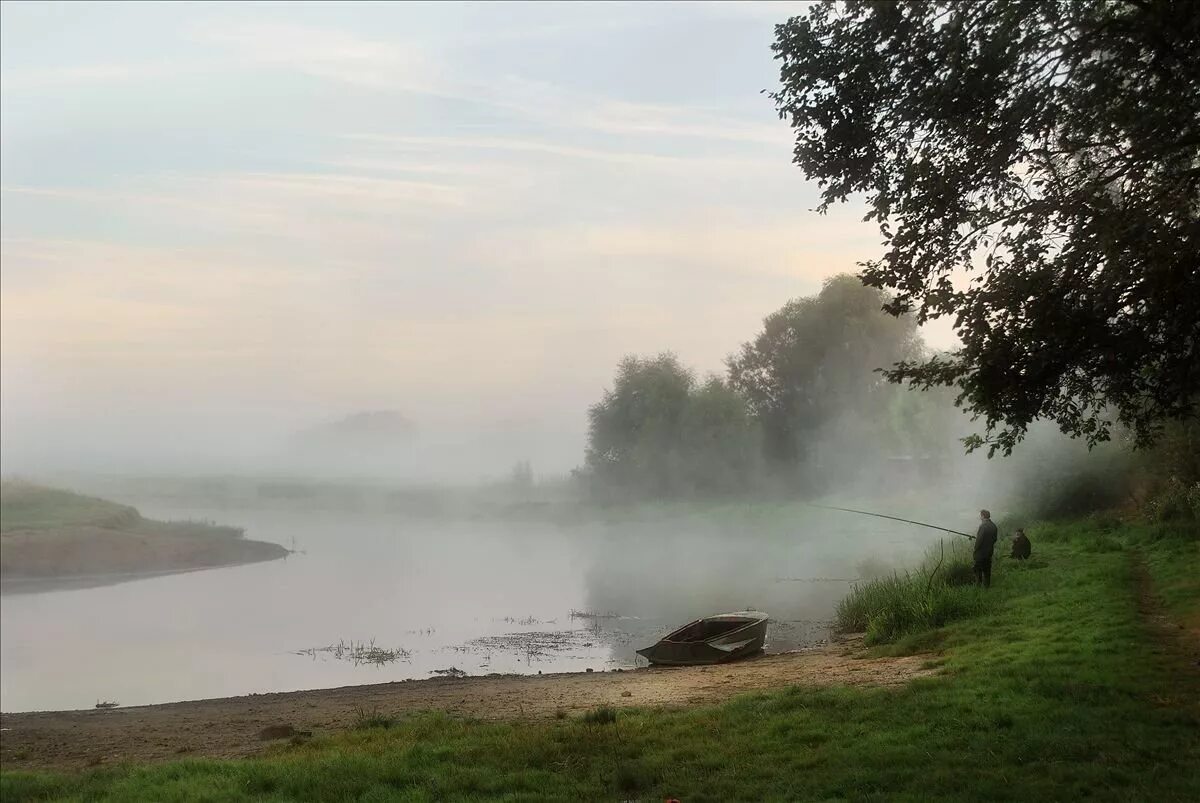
x=939 y=592
x=1053 y=691
x=1171 y=551
x=24 y=506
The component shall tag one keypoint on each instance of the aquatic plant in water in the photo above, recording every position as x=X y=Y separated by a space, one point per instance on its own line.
x=358 y=652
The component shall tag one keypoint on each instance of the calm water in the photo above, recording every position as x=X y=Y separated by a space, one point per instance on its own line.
x=476 y=596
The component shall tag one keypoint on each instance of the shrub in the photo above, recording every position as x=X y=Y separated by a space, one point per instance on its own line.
x=1078 y=492
x=1176 y=502
x=1057 y=478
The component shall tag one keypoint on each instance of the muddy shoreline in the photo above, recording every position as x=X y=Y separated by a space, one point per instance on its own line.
x=87 y=556
x=75 y=582
x=235 y=726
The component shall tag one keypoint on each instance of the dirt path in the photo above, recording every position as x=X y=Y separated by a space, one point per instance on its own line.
x=234 y=726
x=1177 y=644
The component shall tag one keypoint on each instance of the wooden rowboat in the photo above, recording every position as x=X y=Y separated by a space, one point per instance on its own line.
x=712 y=640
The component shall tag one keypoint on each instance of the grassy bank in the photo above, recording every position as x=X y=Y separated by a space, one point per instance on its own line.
x=936 y=593
x=48 y=533
x=26 y=506
x=1058 y=688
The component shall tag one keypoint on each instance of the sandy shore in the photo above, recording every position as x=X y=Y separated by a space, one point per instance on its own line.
x=234 y=726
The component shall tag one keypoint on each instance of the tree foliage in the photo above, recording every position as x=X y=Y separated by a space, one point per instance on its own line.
x=720 y=443
x=805 y=398
x=521 y=476
x=659 y=433
x=1049 y=152
x=816 y=360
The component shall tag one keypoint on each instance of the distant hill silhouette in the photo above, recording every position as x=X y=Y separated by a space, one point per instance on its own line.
x=364 y=433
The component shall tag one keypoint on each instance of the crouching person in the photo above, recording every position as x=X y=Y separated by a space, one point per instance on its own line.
x=1021 y=548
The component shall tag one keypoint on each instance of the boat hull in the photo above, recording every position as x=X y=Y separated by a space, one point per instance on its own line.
x=741 y=635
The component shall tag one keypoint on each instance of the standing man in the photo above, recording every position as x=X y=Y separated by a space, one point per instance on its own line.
x=985 y=544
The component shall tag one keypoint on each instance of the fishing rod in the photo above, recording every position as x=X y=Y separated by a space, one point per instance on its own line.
x=893 y=518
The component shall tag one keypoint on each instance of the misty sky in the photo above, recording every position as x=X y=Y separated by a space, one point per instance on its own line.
x=241 y=219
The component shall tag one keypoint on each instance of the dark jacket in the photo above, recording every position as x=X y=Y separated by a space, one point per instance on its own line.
x=985 y=540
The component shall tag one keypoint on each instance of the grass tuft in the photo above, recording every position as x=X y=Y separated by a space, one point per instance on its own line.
x=365 y=719
x=632 y=777
x=603 y=715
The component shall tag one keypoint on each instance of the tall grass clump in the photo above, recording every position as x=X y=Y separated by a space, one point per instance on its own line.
x=601 y=715
x=889 y=607
x=367 y=718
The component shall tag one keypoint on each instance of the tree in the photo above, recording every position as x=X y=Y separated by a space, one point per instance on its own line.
x=521 y=476
x=925 y=424
x=1049 y=151
x=816 y=360
x=633 y=431
x=719 y=441
x=656 y=433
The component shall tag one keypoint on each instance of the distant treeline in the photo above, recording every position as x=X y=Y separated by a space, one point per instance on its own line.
x=803 y=403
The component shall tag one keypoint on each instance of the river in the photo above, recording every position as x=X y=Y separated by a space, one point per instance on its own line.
x=476 y=596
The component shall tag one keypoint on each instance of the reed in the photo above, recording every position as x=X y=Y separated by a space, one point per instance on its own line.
x=891 y=606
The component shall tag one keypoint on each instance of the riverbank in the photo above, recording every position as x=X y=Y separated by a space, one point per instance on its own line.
x=54 y=539
x=233 y=727
x=1077 y=680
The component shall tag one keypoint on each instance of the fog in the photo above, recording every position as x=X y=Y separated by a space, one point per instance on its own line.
x=223 y=225
x=402 y=541
x=44 y=445
x=352 y=278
